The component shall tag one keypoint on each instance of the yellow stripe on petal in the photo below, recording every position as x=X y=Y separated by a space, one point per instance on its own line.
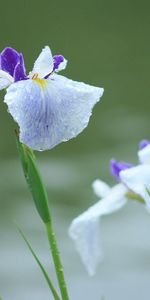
x=41 y=82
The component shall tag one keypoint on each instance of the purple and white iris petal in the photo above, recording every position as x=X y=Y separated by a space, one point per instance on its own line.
x=9 y=58
x=44 y=64
x=51 y=111
x=117 y=167
x=137 y=179
x=19 y=71
x=60 y=63
x=84 y=230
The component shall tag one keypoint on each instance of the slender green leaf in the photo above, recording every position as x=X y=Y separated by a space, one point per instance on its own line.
x=50 y=284
x=34 y=180
x=37 y=189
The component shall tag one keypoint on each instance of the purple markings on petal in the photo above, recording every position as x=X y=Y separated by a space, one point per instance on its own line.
x=117 y=167
x=12 y=62
x=9 y=60
x=58 y=59
x=19 y=71
x=143 y=144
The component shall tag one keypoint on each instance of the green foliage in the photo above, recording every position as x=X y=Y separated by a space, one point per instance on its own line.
x=40 y=198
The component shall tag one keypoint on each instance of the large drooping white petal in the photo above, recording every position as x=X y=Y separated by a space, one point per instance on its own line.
x=85 y=233
x=137 y=179
x=5 y=80
x=144 y=155
x=84 y=230
x=51 y=111
x=44 y=63
x=100 y=188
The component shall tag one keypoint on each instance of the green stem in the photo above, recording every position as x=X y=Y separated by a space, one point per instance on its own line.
x=57 y=260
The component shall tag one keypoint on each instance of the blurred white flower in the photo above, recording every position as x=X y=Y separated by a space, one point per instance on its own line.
x=134 y=184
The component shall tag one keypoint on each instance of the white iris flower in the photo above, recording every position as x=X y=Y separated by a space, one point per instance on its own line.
x=49 y=108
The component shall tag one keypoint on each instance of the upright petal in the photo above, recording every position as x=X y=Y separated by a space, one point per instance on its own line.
x=9 y=60
x=51 y=111
x=137 y=179
x=44 y=64
x=5 y=80
x=143 y=144
x=144 y=155
x=84 y=230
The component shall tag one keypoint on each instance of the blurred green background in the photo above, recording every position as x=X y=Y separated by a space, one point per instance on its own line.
x=107 y=44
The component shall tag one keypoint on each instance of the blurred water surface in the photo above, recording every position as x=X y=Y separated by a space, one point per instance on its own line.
x=107 y=43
